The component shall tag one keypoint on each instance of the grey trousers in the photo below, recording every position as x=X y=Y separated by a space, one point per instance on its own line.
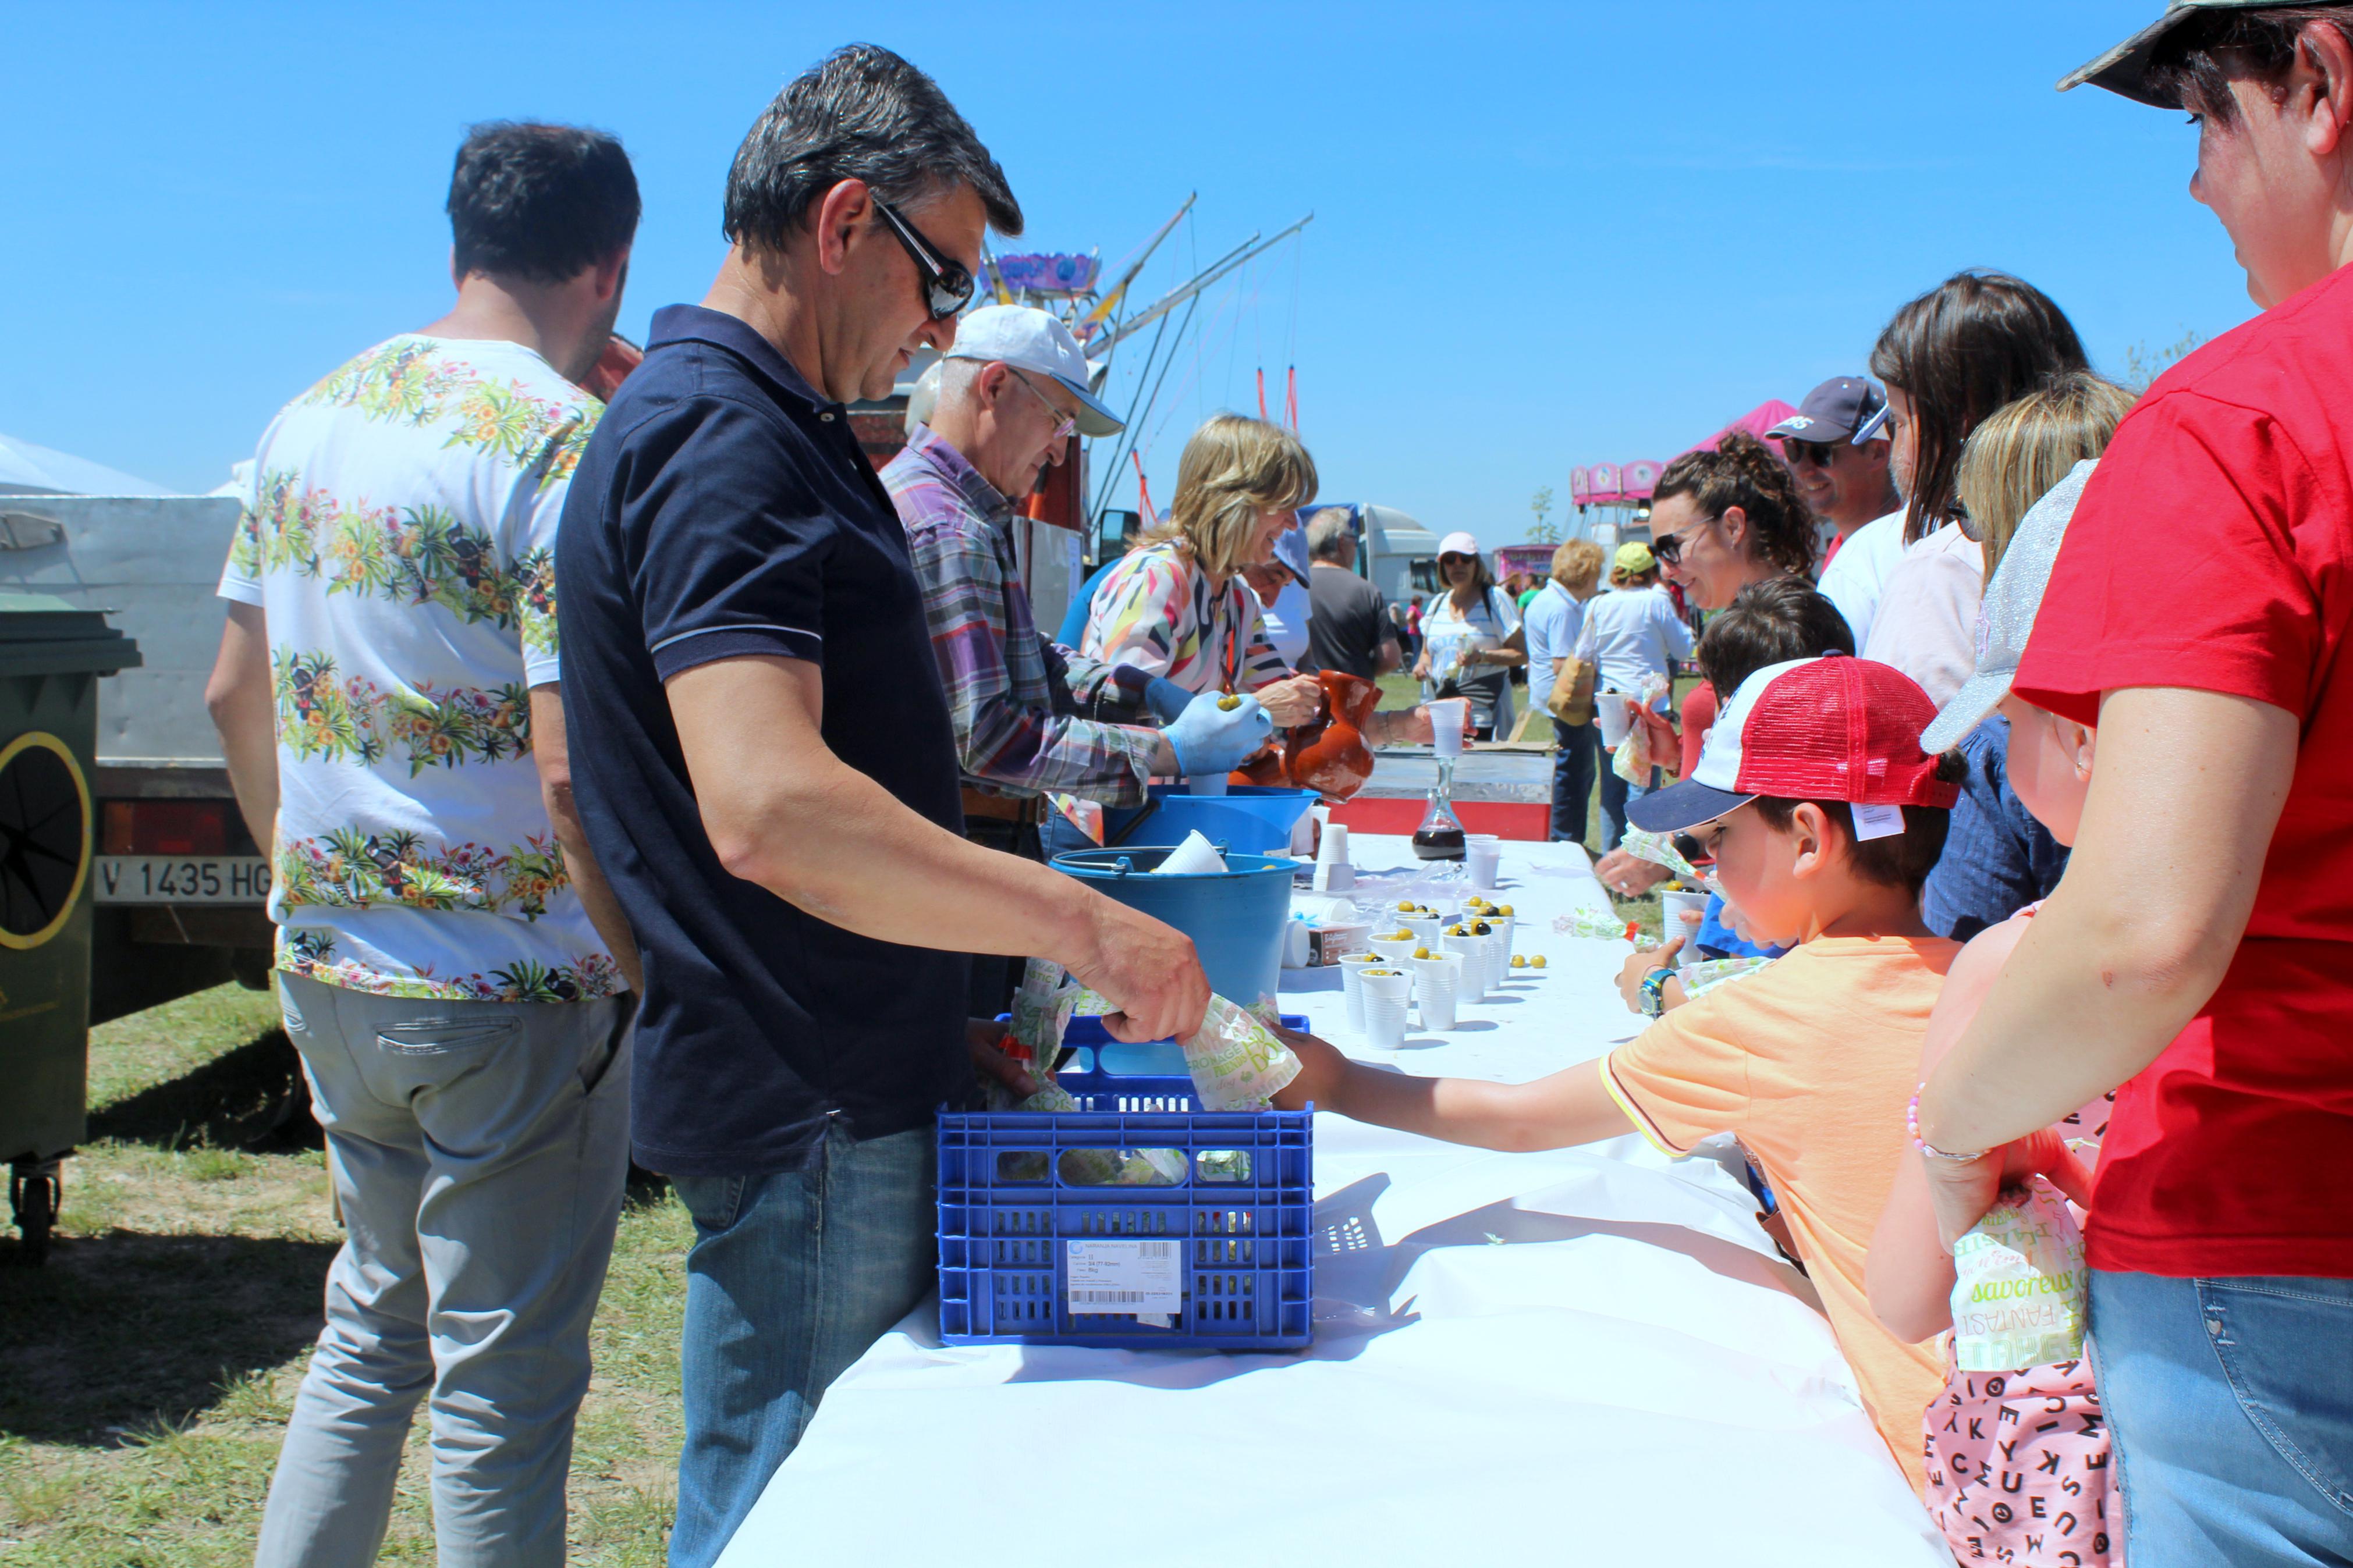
x=478 y=1151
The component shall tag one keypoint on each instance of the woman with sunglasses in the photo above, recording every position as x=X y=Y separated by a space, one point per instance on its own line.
x=1473 y=640
x=1720 y=520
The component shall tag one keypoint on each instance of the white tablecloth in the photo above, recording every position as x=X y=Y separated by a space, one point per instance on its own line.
x=1591 y=1356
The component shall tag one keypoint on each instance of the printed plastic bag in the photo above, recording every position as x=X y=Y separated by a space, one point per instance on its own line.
x=1236 y=1063
x=1705 y=975
x=1632 y=760
x=2019 y=1285
x=1599 y=924
x=1658 y=850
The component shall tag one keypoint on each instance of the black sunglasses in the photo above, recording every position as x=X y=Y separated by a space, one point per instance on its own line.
x=1669 y=547
x=948 y=287
x=1818 y=453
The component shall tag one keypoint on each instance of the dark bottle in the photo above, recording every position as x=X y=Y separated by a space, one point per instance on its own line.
x=1440 y=837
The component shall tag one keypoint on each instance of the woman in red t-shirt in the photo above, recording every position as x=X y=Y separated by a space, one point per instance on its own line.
x=2197 y=951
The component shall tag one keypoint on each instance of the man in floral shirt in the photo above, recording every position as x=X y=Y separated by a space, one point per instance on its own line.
x=451 y=966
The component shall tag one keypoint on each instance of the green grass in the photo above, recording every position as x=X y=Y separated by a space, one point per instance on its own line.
x=147 y=1370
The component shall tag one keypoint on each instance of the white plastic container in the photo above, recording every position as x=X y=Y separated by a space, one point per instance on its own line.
x=1351 y=965
x=1388 y=991
x=1437 y=981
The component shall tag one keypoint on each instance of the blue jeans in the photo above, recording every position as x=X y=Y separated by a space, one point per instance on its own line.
x=1572 y=779
x=2230 y=1403
x=791 y=1278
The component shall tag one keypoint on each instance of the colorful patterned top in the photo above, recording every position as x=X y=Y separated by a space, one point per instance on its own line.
x=1016 y=734
x=1158 y=612
x=399 y=539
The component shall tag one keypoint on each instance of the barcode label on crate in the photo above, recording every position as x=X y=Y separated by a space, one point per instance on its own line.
x=1134 y=1277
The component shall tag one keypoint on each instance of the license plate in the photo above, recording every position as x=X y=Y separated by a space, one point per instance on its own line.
x=175 y=880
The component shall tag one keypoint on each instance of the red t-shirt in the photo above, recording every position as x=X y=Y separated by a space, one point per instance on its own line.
x=2213 y=550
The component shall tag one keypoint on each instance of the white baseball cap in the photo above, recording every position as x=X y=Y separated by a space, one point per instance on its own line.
x=1459 y=542
x=1028 y=339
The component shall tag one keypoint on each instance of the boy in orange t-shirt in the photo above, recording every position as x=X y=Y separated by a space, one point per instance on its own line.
x=1824 y=818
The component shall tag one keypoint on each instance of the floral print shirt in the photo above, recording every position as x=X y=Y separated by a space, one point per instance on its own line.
x=399 y=539
x=1158 y=612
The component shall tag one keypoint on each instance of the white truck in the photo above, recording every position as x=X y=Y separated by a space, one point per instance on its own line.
x=179 y=884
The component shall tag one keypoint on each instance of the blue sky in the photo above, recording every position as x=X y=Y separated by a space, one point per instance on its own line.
x=1545 y=235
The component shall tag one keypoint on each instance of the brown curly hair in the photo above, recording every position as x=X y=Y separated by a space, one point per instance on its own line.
x=1744 y=472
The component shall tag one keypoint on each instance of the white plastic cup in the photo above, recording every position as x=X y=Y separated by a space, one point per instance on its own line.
x=1485 y=863
x=1671 y=924
x=1206 y=783
x=1387 y=991
x=1473 y=952
x=1447 y=716
x=1437 y=981
x=1615 y=711
x=1427 y=929
x=1351 y=965
x=1331 y=849
x=1334 y=877
x=1393 y=950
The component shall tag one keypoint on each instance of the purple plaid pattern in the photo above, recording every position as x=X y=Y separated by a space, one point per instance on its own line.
x=1015 y=732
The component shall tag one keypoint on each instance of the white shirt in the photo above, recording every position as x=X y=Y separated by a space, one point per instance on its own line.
x=1286 y=623
x=1632 y=632
x=1552 y=620
x=1857 y=580
x=1448 y=633
x=400 y=539
x=1927 y=619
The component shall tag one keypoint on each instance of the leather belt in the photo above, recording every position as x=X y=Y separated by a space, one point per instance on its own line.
x=1004 y=808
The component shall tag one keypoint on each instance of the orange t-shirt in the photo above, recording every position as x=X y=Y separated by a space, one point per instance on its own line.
x=1810 y=1062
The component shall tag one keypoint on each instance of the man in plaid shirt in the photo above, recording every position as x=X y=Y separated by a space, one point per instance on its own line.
x=1031 y=719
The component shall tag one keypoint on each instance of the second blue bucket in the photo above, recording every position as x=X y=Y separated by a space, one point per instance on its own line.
x=1234 y=917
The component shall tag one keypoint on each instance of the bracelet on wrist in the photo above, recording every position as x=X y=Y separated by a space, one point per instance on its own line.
x=1912 y=1126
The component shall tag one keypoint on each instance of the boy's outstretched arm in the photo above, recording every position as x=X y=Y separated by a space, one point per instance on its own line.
x=1567 y=1108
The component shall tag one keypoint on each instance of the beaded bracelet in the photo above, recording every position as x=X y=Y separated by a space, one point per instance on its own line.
x=1912 y=1126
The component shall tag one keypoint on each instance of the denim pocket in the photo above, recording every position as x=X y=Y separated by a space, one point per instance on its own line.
x=2281 y=1342
x=441 y=1036
x=713 y=1202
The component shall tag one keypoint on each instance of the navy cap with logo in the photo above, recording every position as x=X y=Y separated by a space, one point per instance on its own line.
x=2124 y=69
x=1843 y=408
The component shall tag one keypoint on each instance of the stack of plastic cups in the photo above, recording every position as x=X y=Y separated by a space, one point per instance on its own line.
x=1351 y=965
x=1483 y=858
x=1437 y=981
x=1387 y=991
x=1334 y=873
x=1472 y=951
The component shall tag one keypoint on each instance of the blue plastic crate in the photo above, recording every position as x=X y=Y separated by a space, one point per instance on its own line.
x=1239 y=1219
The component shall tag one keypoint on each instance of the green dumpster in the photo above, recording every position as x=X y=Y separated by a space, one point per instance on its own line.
x=51 y=656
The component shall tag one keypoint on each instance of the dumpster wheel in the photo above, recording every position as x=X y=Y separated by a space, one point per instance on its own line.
x=36 y=1188
x=45 y=831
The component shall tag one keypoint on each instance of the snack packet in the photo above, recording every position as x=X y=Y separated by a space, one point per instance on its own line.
x=1236 y=1065
x=2019 y=1287
x=1705 y=975
x=1658 y=850
x=1600 y=924
x=1633 y=762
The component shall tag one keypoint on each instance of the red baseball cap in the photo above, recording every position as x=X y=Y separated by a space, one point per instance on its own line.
x=1833 y=728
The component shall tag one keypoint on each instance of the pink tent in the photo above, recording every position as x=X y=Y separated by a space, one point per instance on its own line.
x=1756 y=421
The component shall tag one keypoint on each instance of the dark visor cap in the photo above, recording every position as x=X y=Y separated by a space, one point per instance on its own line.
x=2124 y=69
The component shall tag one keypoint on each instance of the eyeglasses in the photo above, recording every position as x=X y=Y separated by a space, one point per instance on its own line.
x=1061 y=431
x=1818 y=453
x=948 y=287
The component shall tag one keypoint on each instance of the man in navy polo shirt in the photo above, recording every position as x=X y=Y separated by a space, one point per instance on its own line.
x=764 y=758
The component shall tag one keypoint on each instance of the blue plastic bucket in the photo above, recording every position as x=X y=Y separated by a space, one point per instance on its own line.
x=1234 y=917
x=1251 y=818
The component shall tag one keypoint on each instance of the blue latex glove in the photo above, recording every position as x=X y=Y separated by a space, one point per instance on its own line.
x=1209 y=740
x=1165 y=698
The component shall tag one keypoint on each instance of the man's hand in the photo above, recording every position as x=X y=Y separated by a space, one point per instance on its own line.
x=1293 y=702
x=1209 y=738
x=1640 y=967
x=1627 y=874
x=1322 y=1068
x=1149 y=969
x=1660 y=741
x=981 y=1037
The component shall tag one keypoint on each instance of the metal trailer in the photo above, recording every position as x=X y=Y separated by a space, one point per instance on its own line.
x=52 y=657
x=179 y=886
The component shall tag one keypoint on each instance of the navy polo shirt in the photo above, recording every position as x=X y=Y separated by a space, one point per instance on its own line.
x=723 y=509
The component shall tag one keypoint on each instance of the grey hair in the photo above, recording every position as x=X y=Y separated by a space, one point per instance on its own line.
x=860 y=113
x=1327 y=532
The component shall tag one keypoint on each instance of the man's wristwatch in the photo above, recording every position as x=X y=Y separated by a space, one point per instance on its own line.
x=1654 y=992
